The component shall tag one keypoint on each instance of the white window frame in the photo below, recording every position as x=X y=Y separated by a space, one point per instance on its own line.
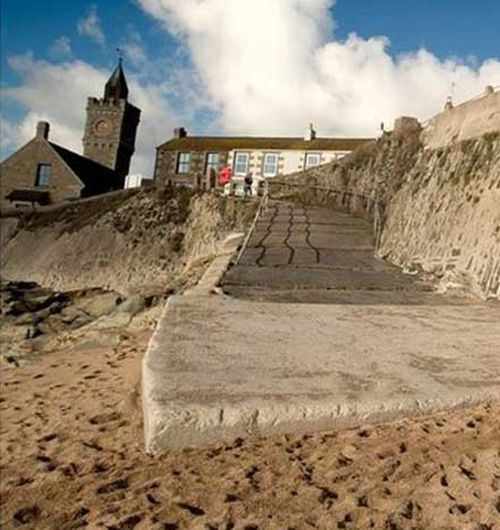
x=307 y=163
x=210 y=164
x=246 y=155
x=183 y=165
x=266 y=163
x=43 y=174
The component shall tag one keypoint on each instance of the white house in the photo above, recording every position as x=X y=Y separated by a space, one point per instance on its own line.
x=187 y=159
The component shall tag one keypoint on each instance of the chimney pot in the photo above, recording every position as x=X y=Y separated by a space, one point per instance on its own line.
x=180 y=132
x=42 y=130
x=310 y=133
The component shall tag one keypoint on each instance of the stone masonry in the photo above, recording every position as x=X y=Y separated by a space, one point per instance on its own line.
x=437 y=209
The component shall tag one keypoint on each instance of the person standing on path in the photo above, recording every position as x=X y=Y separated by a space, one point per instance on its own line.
x=225 y=179
x=248 y=184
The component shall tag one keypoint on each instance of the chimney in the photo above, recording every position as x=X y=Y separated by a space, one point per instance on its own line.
x=310 y=133
x=180 y=132
x=42 y=130
x=489 y=90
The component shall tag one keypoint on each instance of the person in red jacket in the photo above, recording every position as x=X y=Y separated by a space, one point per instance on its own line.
x=225 y=179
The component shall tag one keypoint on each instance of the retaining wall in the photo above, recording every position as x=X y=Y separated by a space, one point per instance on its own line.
x=434 y=209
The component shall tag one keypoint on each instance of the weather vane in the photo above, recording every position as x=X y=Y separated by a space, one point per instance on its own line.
x=121 y=54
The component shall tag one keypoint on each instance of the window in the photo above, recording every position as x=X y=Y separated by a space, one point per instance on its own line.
x=312 y=159
x=212 y=162
x=241 y=164
x=183 y=162
x=270 y=164
x=43 y=175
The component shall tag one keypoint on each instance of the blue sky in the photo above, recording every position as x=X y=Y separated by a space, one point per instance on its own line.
x=233 y=89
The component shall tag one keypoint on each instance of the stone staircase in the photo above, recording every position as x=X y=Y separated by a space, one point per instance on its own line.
x=315 y=255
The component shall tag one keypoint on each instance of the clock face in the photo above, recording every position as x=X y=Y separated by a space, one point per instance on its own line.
x=102 y=127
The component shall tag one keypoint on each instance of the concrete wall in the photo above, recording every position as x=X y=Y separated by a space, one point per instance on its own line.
x=133 y=240
x=439 y=208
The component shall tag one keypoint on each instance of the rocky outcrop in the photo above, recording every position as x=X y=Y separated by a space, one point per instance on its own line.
x=433 y=209
x=141 y=241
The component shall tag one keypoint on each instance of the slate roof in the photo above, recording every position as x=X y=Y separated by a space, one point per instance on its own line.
x=96 y=177
x=29 y=195
x=228 y=143
x=116 y=87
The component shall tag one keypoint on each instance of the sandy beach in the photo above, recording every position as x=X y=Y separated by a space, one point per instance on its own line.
x=72 y=457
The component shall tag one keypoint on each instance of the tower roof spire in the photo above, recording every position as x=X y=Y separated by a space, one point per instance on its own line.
x=116 y=87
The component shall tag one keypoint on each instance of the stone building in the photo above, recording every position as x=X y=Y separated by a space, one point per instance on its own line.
x=42 y=172
x=191 y=160
x=111 y=125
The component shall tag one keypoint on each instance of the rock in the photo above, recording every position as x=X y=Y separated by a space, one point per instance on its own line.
x=94 y=340
x=99 y=305
x=18 y=307
x=27 y=515
x=12 y=359
x=133 y=304
x=33 y=332
x=115 y=320
x=75 y=318
x=14 y=333
x=29 y=302
x=25 y=319
x=349 y=452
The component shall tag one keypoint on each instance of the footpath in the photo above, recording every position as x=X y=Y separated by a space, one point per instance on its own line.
x=310 y=331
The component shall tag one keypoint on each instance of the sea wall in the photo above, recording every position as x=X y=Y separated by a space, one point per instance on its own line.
x=127 y=241
x=433 y=209
x=465 y=121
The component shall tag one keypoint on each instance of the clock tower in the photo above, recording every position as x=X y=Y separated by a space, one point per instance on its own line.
x=111 y=125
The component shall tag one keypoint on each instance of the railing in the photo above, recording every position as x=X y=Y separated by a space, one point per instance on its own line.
x=264 y=200
x=374 y=205
x=495 y=88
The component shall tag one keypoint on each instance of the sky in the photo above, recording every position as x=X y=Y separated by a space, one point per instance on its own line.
x=247 y=67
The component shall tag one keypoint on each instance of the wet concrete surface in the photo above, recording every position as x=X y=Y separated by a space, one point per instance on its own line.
x=309 y=254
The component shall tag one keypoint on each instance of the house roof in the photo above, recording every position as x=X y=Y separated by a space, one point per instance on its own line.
x=29 y=195
x=92 y=174
x=228 y=143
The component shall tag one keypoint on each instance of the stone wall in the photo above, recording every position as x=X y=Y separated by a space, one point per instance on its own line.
x=437 y=209
x=166 y=166
x=20 y=171
x=465 y=121
x=128 y=241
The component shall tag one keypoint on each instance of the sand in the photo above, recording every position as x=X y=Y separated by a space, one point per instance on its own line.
x=72 y=457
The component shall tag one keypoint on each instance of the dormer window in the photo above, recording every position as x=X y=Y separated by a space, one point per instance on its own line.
x=43 y=175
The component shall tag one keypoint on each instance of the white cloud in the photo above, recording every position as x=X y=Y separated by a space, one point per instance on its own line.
x=61 y=48
x=90 y=26
x=271 y=67
x=58 y=93
x=264 y=67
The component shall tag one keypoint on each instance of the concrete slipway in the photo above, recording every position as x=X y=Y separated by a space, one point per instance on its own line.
x=221 y=366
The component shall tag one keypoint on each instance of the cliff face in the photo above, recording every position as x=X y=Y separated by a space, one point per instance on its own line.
x=128 y=241
x=437 y=209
